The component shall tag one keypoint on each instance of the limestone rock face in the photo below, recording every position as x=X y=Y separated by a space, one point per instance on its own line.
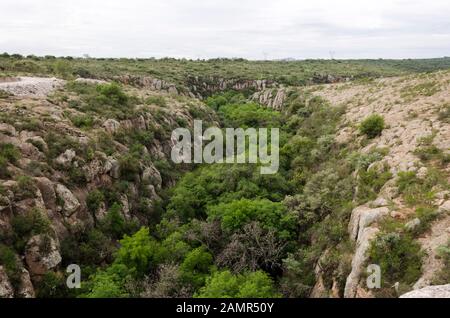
x=42 y=254
x=152 y=176
x=360 y=257
x=271 y=98
x=362 y=217
x=65 y=159
x=413 y=224
x=445 y=207
x=47 y=190
x=71 y=203
x=6 y=290
x=26 y=289
x=111 y=125
x=440 y=291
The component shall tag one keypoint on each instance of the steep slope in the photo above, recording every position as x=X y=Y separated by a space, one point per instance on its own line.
x=415 y=202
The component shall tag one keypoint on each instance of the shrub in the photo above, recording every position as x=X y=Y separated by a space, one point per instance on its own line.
x=111 y=94
x=156 y=100
x=372 y=126
x=94 y=199
x=52 y=285
x=115 y=224
x=9 y=152
x=28 y=225
x=82 y=121
x=271 y=215
x=371 y=181
x=399 y=257
x=139 y=252
x=443 y=276
x=224 y=284
x=196 y=267
x=62 y=68
x=9 y=260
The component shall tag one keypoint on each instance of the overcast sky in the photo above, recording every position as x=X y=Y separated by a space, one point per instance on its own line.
x=253 y=29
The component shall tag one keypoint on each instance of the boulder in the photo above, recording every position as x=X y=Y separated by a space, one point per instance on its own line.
x=7 y=129
x=413 y=224
x=6 y=289
x=65 y=159
x=362 y=217
x=26 y=289
x=445 y=207
x=152 y=176
x=439 y=291
x=379 y=202
x=47 y=190
x=111 y=125
x=41 y=254
x=70 y=202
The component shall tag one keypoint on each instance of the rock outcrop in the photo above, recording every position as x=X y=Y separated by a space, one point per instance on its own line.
x=42 y=254
x=441 y=291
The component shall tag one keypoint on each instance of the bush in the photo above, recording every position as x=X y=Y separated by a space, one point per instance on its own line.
x=9 y=152
x=115 y=224
x=94 y=199
x=271 y=215
x=28 y=225
x=372 y=126
x=196 y=267
x=9 y=260
x=248 y=285
x=82 y=121
x=156 y=100
x=399 y=257
x=139 y=252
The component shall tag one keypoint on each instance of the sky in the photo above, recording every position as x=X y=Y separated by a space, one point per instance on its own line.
x=251 y=29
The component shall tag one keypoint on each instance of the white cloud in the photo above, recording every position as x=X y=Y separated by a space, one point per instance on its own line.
x=233 y=28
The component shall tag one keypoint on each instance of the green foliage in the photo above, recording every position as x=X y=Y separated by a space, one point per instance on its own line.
x=88 y=248
x=399 y=257
x=63 y=68
x=139 y=252
x=114 y=223
x=371 y=181
x=224 y=284
x=108 y=100
x=249 y=115
x=25 y=226
x=109 y=283
x=196 y=266
x=214 y=184
x=52 y=285
x=417 y=190
x=372 y=126
x=82 y=121
x=156 y=100
x=94 y=199
x=271 y=215
x=8 y=154
x=9 y=260
x=443 y=276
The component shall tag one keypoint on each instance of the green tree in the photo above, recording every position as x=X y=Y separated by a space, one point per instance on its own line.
x=224 y=284
x=196 y=266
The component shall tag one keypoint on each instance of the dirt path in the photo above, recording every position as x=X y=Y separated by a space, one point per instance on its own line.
x=31 y=86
